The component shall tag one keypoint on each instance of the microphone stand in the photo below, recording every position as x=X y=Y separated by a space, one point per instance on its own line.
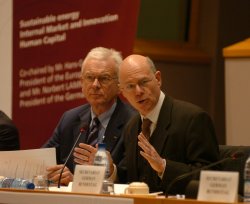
x=72 y=149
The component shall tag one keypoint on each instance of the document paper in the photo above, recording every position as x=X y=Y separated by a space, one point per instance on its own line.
x=26 y=163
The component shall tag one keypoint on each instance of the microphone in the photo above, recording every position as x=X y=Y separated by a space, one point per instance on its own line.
x=233 y=156
x=82 y=129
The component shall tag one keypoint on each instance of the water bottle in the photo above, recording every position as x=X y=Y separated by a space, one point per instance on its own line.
x=247 y=181
x=16 y=183
x=101 y=159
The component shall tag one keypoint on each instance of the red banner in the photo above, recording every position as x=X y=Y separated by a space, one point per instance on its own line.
x=50 y=39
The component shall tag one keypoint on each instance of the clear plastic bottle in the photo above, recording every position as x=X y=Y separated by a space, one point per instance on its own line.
x=101 y=159
x=16 y=183
x=247 y=181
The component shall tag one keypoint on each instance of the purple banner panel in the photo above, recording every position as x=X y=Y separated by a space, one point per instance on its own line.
x=50 y=39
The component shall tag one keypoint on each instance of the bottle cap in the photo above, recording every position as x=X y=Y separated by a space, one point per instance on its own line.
x=30 y=185
x=101 y=146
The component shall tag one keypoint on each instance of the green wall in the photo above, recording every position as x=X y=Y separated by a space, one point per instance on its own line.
x=164 y=20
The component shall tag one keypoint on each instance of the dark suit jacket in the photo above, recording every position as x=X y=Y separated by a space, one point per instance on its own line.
x=69 y=126
x=9 y=136
x=184 y=136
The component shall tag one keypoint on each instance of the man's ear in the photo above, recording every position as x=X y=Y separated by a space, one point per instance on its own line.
x=158 y=77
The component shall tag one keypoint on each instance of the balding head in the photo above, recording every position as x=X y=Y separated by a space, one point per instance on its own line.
x=137 y=61
x=140 y=82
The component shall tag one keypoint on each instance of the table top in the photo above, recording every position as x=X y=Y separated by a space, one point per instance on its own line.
x=14 y=196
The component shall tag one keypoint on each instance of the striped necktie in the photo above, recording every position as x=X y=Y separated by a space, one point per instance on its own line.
x=93 y=132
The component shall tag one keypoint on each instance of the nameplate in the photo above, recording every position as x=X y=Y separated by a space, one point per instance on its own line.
x=221 y=186
x=88 y=179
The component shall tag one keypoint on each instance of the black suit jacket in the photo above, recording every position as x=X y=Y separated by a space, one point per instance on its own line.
x=184 y=136
x=72 y=121
x=9 y=135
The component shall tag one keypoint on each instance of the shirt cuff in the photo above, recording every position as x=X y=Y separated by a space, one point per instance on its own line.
x=113 y=175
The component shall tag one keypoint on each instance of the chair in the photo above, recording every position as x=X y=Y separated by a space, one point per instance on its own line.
x=226 y=151
x=237 y=164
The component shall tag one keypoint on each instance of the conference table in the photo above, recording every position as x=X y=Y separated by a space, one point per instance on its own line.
x=13 y=196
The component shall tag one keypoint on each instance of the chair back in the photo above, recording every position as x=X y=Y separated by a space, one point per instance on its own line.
x=237 y=164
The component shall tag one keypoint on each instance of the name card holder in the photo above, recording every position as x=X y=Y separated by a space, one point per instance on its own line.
x=221 y=186
x=88 y=179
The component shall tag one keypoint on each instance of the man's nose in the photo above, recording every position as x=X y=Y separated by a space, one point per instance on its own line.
x=96 y=82
x=138 y=89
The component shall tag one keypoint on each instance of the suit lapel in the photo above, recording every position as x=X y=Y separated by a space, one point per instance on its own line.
x=84 y=120
x=132 y=145
x=160 y=134
x=116 y=122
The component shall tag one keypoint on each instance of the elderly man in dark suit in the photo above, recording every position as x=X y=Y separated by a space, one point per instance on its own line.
x=99 y=78
x=168 y=137
x=9 y=136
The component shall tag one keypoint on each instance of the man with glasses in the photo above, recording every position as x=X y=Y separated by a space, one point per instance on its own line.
x=168 y=137
x=101 y=120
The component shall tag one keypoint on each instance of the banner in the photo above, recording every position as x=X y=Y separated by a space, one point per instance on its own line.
x=50 y=39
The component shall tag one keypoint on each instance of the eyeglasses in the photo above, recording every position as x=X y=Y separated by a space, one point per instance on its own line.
x=132 y=86
x=104 y=80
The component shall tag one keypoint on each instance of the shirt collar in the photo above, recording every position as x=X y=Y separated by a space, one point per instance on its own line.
x=154 y=114
x=104 y=117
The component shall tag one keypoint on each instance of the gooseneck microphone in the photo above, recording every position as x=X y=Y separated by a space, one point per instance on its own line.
x=233 y=156
x=83 y=129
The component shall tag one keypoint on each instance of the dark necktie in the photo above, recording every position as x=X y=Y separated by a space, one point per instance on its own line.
x=93 y=132
x=146 y=127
